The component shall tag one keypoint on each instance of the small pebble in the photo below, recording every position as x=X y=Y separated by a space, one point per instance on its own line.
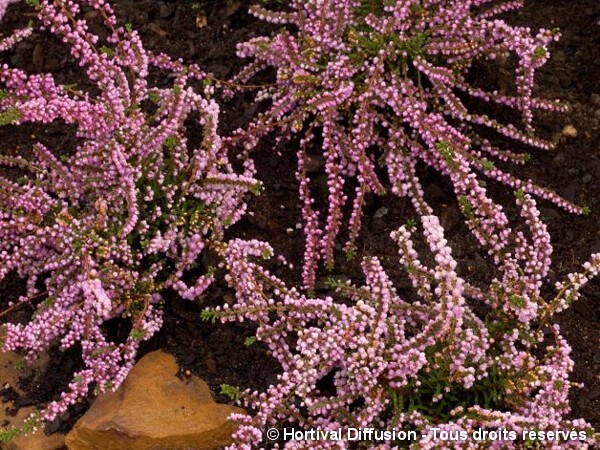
x=289 y=231
x=569 y=131
x=381 y=212
x=201 y=20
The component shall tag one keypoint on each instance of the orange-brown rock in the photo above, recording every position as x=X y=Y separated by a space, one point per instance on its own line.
x=153 y=409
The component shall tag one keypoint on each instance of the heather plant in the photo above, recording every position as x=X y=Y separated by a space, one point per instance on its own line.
x=103 y=231
x=451 y=356
x=368 y=82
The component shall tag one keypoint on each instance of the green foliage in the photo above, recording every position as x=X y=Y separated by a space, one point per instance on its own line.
x=517 y=301
x=138 y=335
x=332 y=283
x=154 y=97
x=19 y=364
x=350 y=254
x=447 y=152
x=28 y=427
x=11 y=115
x=232 y=392
x=488 y=165
x=466 y=207
x=107 y=51
x=171 y=142
x=209 y=315
x=540 y=52
x=257 y=189
x=435 y=397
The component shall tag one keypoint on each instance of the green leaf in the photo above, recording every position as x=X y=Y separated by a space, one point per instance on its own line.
x=231 y=391
x=257 y=188
x=520 y=194
x=11 y=115
x=539 y=52
x=28 y=426
x=488 y=165
x=154 y=97
x=138 y=335
x=332 y=283
x=171 y=142
x=209 y=315
x=107 y=51
x=350 y=254
x=517 y=301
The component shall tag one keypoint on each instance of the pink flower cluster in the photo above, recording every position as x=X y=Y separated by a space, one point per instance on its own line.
x=100 y=233
x=431 y=360
x=366 y=81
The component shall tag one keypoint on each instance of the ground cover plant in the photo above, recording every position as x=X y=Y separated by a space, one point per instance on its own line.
x=101 y=233
x=431 y=362
x=123 y=225
x=369 y=83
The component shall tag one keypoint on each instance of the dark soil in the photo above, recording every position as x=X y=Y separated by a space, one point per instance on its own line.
x=217 y=352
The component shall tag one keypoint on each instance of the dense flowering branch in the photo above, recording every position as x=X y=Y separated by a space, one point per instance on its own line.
x=434 y=361
x=100 y=233
x=390 y=82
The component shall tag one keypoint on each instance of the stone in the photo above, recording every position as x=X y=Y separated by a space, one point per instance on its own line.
x=201 y=20
x=569 y=131
x=153 y=409
x=381 y=212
